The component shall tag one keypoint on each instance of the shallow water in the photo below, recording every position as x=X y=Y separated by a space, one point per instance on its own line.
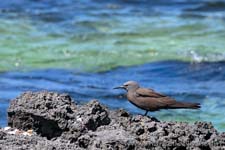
x=97 y=35
x=202 y=82
x=86 y=47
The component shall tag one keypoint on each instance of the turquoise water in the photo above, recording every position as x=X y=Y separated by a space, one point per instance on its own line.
x=84 y=48
x=99 y=36
x=201 y=82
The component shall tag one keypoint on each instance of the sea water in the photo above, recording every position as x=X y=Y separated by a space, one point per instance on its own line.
x=87 y=47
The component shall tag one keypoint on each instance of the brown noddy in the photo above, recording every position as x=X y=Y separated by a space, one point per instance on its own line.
x=150 y=100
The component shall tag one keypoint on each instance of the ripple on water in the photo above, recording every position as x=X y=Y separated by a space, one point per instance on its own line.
x=191 y=82
x=102 y=35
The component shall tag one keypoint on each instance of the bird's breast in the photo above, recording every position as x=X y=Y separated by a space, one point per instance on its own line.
x=132 y=97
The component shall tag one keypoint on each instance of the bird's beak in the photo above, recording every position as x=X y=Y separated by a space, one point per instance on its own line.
x=119 y=87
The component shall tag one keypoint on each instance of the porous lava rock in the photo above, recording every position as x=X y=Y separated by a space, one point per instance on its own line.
x=61 y=124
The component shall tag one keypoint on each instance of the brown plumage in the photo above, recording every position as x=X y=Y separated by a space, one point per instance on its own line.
x=150 y=100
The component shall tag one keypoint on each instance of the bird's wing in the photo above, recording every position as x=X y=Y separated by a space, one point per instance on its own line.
x=157 y=100
x=143 y=92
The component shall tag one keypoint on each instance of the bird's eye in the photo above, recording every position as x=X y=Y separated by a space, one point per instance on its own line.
x=126 y=85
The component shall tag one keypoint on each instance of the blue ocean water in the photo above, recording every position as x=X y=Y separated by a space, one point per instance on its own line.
x=202 y=82
x=86 y=47
x=99 y=35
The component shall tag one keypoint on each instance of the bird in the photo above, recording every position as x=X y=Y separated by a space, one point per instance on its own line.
x=149 y=100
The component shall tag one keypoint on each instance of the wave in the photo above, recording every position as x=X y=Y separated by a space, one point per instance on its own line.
x=98 y=37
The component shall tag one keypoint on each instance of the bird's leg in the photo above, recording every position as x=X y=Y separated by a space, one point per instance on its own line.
x=146 y=113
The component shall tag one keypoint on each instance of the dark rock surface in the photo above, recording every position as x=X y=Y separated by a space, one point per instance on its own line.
x=61 y=124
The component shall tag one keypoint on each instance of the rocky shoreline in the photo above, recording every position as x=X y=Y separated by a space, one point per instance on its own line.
x=58 y=123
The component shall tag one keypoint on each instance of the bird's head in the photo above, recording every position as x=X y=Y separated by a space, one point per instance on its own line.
x=129 y=85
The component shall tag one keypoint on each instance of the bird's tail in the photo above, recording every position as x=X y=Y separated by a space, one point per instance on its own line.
x=185 y=105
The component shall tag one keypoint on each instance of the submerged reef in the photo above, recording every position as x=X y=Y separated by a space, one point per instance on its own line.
x=59 y=123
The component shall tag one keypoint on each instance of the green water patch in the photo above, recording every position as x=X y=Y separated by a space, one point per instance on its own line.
x=103 y=45
x=210 y=111
x=200 y=83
